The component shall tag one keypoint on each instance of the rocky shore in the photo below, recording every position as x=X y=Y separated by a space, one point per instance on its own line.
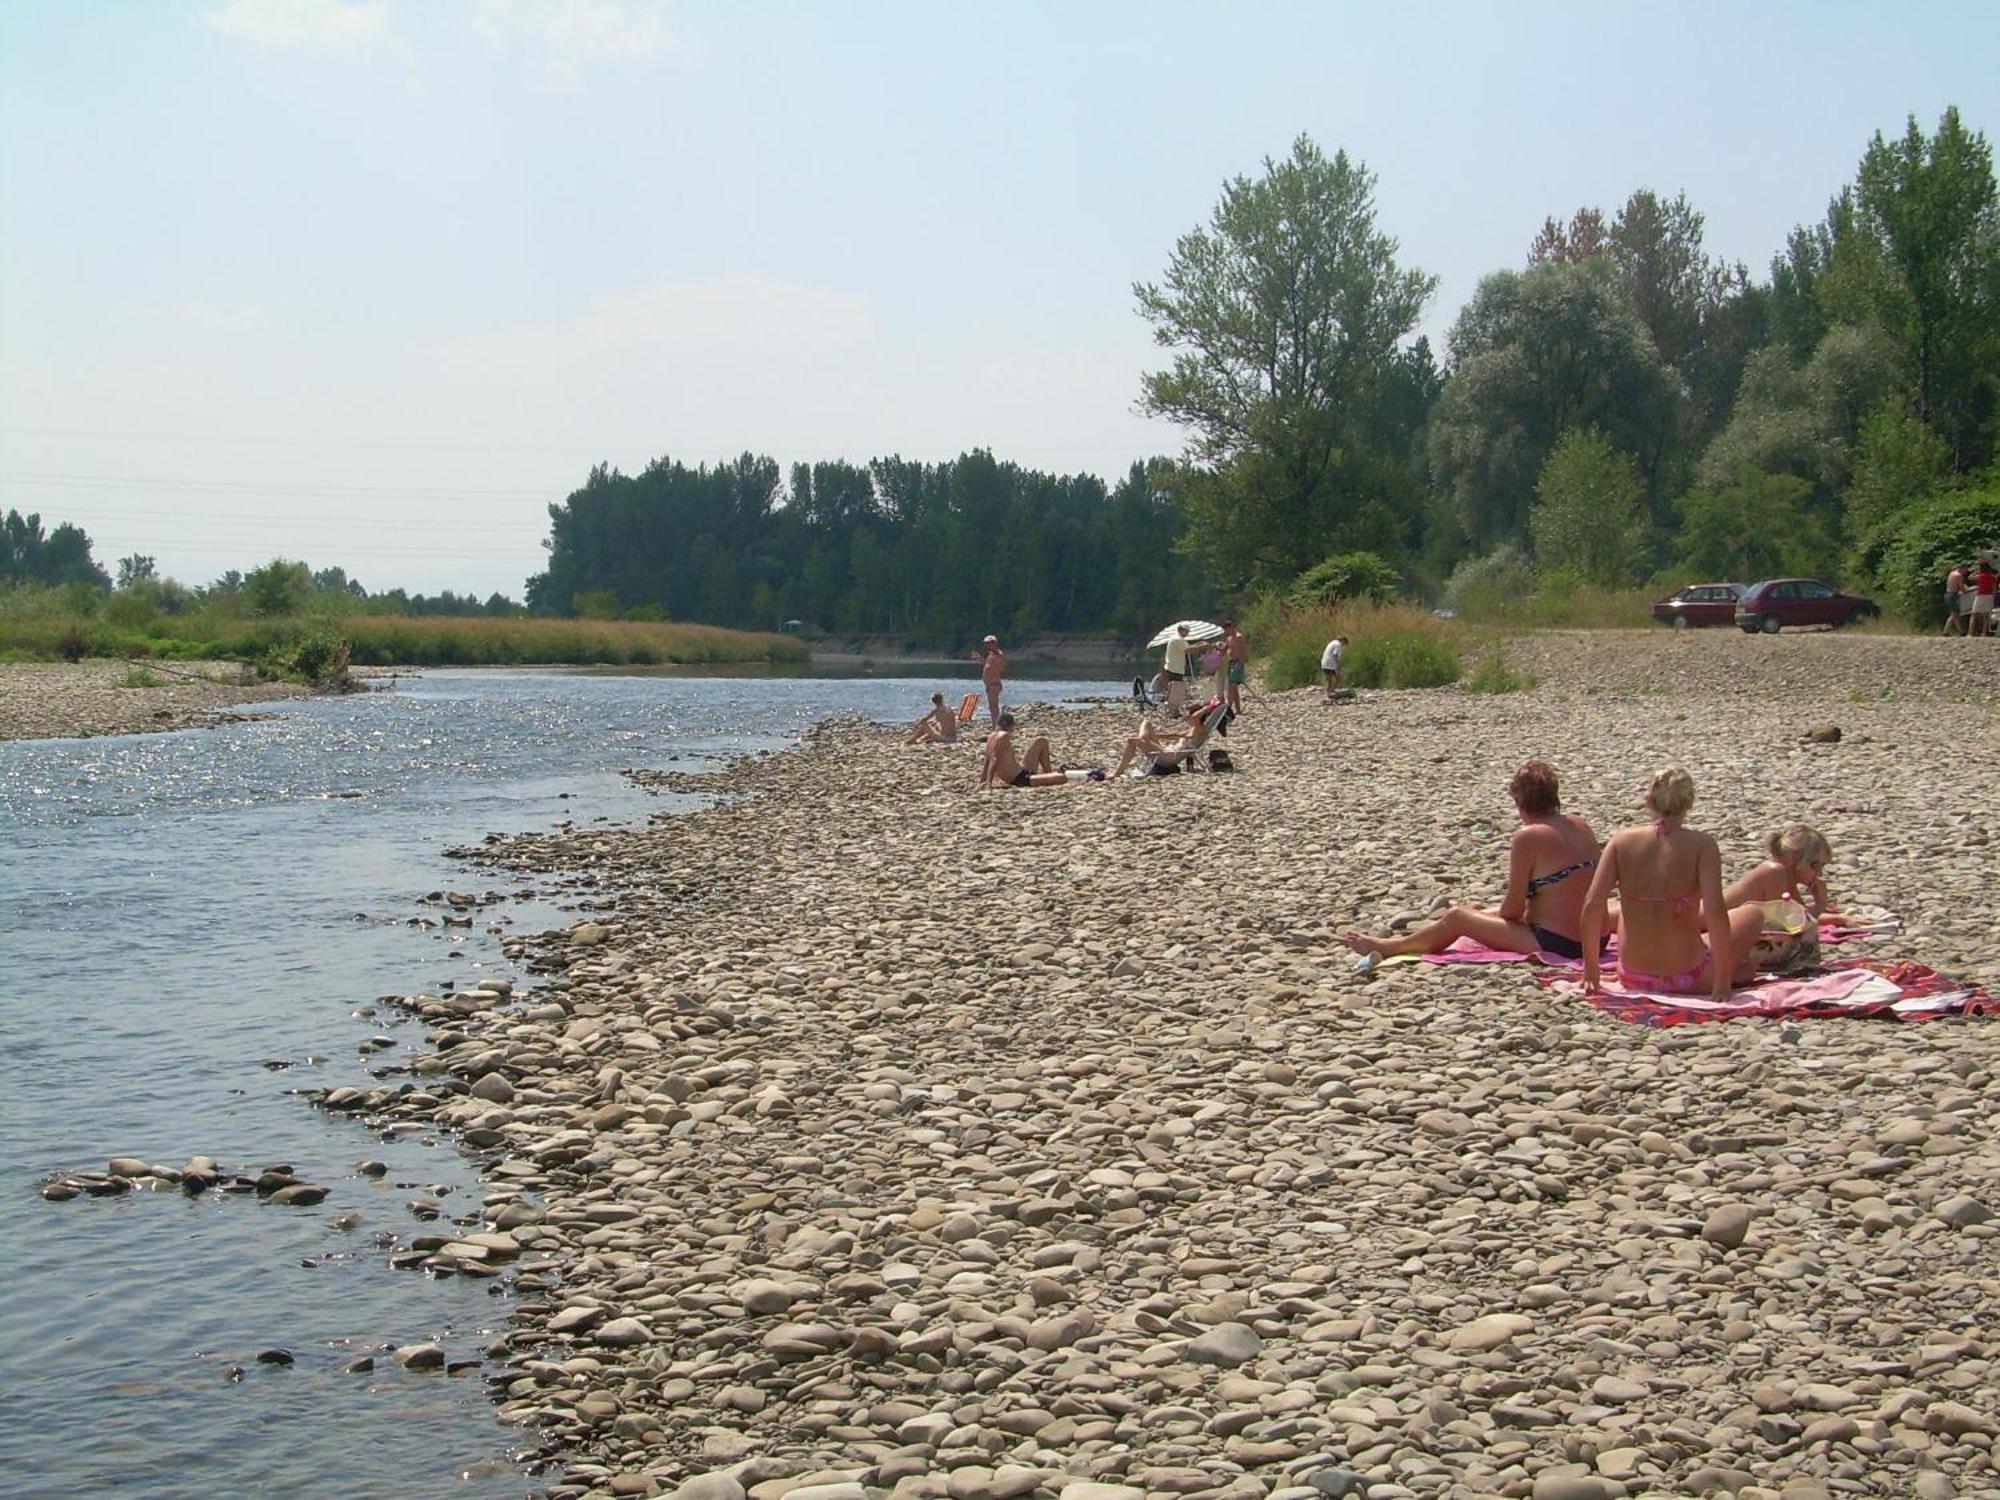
x=873 y=1136
x=55 y=700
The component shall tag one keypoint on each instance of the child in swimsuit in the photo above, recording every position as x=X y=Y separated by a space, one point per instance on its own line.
x=1789 y=889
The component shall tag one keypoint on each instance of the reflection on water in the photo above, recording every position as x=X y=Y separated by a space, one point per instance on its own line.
x=194 y=924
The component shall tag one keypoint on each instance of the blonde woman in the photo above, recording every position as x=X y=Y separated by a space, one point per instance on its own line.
x=1674 y=930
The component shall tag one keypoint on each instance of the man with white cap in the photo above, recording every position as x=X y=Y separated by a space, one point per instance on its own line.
x=1176 y=666
x=992 y=669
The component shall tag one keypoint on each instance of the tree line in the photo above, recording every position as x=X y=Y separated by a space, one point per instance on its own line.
x=1622 y=407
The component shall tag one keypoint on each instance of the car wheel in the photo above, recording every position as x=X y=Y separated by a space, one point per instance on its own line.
x=1770 y=624
x=1679 y=622
x=1857 y=617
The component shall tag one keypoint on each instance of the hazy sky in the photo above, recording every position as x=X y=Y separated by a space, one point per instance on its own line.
x=371 y=282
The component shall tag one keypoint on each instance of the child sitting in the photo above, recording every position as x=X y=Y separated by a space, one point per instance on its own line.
x=1790 y=888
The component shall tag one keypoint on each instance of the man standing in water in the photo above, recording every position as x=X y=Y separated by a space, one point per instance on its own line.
x=992 y=671
x=1236 y=650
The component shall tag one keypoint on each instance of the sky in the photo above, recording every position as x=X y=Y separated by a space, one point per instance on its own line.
x=372 y=283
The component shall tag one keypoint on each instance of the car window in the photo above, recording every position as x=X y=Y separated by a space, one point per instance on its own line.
x=1815 y=591
x=1780 y=591
x=1700 y=596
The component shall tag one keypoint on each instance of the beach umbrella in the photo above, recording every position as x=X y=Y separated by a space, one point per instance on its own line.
x=1198 y=630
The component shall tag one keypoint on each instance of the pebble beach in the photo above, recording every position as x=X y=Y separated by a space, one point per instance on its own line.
x=869 y=1135
x=53 y=700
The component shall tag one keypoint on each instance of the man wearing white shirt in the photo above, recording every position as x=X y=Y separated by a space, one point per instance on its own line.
x=1176 y=667
x=1329 y=663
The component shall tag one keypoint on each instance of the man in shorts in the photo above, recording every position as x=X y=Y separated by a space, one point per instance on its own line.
x=1003 y=768
x=992 y=672
x=937 y=727
x=1329 y=663
x=1954 y=591
x=1236 y=653
x=1175 y=665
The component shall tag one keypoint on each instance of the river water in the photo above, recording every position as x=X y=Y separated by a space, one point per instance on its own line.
x=192 y=926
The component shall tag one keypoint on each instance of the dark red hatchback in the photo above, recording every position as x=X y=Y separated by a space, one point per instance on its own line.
x=1778 y=602
x=1700 y=604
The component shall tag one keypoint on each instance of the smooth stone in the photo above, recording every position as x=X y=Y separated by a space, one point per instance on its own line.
x=1727 y=1225
x=420 y=1357
x=622 y=1333
x=1226 y=1345
x=1488 y=1332
x=719 y=1484
x=1571 y=1487
x=764 y=1297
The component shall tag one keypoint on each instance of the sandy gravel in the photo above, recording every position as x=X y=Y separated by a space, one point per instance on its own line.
x=876 y=1136
x=46 y=701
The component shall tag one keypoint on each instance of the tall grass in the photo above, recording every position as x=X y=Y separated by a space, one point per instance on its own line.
x=1583 y=607
x=1388 y=645
x=31 y=629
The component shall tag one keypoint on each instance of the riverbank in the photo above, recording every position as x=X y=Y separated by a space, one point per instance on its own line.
x=64 y=700
x=1070 y=653
x=875 y=1135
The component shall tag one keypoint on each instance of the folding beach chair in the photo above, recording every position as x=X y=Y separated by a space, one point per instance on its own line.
x=967 y=707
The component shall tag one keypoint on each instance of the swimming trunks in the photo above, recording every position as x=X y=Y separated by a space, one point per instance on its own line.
x=1686 y=983
x=1236 y=671
x=1558 y=877
x=1022 y=778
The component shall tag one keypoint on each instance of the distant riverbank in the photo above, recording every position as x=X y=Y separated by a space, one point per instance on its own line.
x=79 y=700
x=1061 y=651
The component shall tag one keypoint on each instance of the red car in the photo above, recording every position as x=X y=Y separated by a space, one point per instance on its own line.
x=1778 y=602
x=1700 y=604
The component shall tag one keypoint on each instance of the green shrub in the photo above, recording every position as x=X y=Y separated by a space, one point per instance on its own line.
x=1487 y=588
x=141 y=677
x=1928 y=539
x=1494 y=674
x=1388 y=645
x=1346 y=575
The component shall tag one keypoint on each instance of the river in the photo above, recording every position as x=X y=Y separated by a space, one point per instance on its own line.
x=195 y=925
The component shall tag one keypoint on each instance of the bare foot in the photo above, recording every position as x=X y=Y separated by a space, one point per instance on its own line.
x=1363 y=944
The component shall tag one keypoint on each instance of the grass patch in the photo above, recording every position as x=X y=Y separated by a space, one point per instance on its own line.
x=1573 y=608
x=141 y=677
x=306 y=645
x=1493 y=673
x=1388 y=646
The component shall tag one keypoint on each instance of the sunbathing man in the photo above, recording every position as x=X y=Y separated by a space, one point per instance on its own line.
x=1002 y=768
x=1150 y=741
x=938 y=727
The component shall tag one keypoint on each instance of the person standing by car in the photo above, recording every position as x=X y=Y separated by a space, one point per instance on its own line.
x=1985 y=582
x=1954 y=587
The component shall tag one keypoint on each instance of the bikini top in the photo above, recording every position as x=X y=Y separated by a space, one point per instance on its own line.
x=1680 y=905
x=1557 y=877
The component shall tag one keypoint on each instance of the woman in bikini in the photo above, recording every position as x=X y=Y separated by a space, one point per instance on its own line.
x=1540 y=912
x=1669 y=883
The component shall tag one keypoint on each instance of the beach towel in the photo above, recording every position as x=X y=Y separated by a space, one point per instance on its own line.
x=1847 y=987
